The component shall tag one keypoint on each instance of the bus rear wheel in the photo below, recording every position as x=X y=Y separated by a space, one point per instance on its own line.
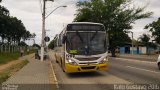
x=56 y=58
x=56 y=61
x=62 y=65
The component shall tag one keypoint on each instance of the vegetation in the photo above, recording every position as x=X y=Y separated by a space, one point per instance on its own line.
x=6 y=57
x=117 y=16
x=36 y=45
x=5 y=74
x=144 y=40
x=31 y=51
x=51 y=44
x=154 y=28
x=12 y=30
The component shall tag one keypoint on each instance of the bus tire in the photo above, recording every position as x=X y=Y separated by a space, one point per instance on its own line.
x=56 y=61
x=55 y=58
x=39 y=57
x=159 y=66
x=62 y=66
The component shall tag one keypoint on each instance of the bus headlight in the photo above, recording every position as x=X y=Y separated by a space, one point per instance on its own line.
x=104 y=60
x=72 y=62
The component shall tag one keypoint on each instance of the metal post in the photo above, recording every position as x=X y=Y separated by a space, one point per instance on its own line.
x=132 y=43
x=43 y=30
x=10 y=48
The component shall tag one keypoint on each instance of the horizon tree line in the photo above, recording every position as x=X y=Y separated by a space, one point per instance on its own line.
x=12 y=30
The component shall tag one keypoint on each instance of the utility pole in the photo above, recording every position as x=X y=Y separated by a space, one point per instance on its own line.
x=132 y=40
x=43 y=30
x=43 y=43
x=132 y=43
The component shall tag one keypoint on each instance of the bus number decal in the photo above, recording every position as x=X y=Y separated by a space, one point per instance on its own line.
x=73 y=51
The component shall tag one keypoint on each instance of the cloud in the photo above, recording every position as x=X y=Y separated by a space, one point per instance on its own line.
x=29 y=12
x=152 y=6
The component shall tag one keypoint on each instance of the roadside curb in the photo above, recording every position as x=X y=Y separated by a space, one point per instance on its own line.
x=54 y=75
x=135 y=60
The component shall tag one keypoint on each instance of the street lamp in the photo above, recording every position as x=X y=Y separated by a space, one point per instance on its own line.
x=43 y=26
x=54 y=10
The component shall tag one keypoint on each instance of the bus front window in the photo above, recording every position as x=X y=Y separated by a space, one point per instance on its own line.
x=86 y=43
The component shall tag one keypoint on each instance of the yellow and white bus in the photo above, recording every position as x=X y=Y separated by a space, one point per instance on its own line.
x=82 y=47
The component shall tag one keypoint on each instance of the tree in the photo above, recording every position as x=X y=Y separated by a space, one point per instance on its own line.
x=4 y=15
x=51 y=44
x=117 y=16
x=144 y=39
x=16 y=30
x=12 y=30
x=22 y=44
x=154 y=28
x=33 y=35
x=4 y=11
x=36 y=45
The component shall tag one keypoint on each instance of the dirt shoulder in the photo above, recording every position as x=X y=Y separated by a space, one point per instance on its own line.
x=9 y=68
x=8 y=65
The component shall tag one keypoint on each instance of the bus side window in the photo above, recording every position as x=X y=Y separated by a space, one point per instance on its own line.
x=59 y=41
x=64 y=39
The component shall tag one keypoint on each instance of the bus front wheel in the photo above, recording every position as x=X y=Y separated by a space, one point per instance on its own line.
x=62 y=65
x=56 y=58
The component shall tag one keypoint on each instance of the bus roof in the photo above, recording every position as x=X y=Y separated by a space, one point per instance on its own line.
x=85 y=23
x=76 y=23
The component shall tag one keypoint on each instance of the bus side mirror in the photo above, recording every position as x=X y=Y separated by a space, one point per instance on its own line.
x=64 y=39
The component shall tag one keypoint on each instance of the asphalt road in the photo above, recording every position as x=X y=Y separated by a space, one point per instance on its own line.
x=121 y=71
x=135 y=71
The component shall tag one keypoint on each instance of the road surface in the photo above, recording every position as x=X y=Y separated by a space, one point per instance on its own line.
x=139 y=72
x=121 y=71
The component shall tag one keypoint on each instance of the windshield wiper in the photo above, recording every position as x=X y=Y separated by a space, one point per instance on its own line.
x=79 y=37
x=69 y=43
x=94 y=35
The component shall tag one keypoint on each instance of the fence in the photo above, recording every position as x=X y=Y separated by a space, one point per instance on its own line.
x=11 y=48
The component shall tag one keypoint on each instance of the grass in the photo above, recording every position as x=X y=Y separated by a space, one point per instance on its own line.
x=6 y=57
x=4 y=75
x=30 y=52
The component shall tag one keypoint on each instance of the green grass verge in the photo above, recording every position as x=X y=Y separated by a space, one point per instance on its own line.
x=4 y=75
x=6 y=57
x=30 y=52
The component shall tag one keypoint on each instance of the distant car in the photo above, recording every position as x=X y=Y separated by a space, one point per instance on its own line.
x=38 y=55
x=158 y=62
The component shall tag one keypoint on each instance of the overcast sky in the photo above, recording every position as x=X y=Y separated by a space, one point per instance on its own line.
x=30 y=13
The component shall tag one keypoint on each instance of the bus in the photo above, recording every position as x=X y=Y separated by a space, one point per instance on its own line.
x=82 y=47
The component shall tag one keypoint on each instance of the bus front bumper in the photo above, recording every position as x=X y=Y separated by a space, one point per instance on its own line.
x=85 y=68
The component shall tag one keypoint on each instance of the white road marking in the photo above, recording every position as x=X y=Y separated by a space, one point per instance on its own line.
x=143 y=69
x=135 y=60
x=53 y=72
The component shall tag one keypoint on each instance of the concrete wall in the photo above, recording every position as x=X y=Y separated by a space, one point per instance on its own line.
x=143 y=50
x=134 y=50
x=122 y=50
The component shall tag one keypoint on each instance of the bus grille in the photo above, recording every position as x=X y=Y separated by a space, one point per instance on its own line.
x=89 y=67
x=88 y=63
x=88 y=59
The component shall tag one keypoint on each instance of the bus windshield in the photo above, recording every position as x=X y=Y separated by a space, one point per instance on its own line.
x=86 y=43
